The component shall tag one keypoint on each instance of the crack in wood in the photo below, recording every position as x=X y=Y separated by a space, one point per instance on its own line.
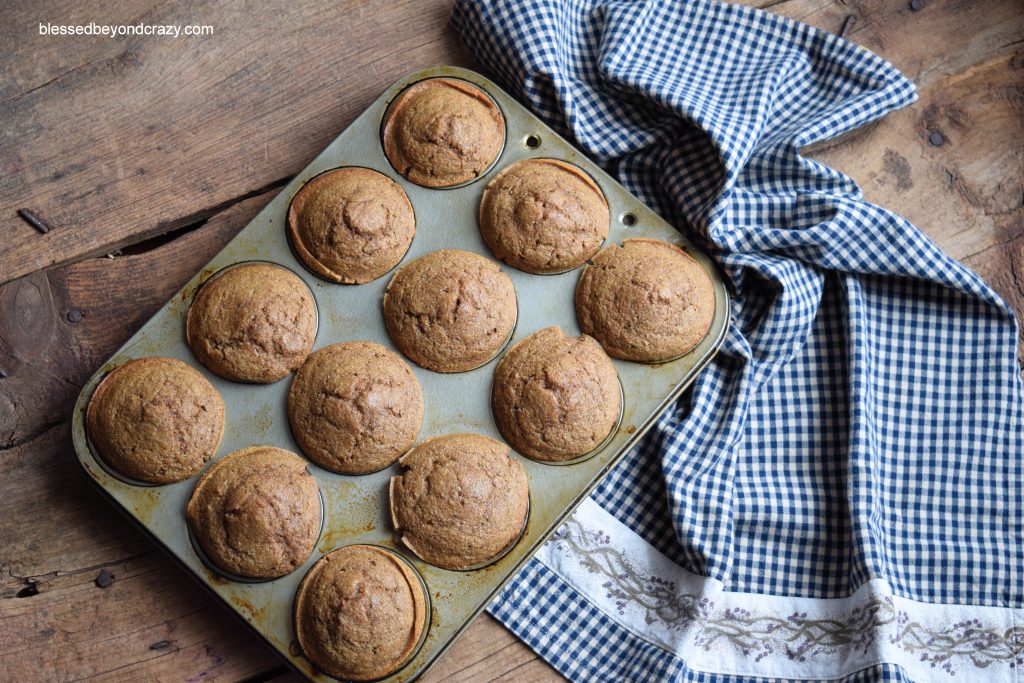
x=180 y=226
x=168 y=231
x=34 y=580
x=11 y=443
x=1018 y=281
x=267 y=674
x=507 y=673
x=994 y=245
x=484 y=658
x=152 y=243
x=51 y=81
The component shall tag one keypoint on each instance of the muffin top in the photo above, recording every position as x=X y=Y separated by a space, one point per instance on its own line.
x=254 y=322
x=461 y=500
x=543 y=216
x=554 y=397
x=645 y=301
x=359 y=613
x=156 y=420
x=351 y=225
x=450 y=311
x=256 y=512
x=442 y=132
x=355 y=407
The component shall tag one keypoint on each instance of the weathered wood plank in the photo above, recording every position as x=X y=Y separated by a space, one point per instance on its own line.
x=59 y=533
x=966 y=191
x=139 y=136
x=56 y=328
x=485 y=652
x=952 y=163
x=73 y=628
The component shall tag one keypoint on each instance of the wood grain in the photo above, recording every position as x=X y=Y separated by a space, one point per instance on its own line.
x=967 y=191
x=59 y=533
x=157 y=133
x=117 y=141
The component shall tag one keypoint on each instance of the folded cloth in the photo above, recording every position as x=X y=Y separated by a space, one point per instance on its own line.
x=839 y=496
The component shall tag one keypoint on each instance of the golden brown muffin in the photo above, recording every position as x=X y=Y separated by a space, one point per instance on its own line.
x=442 y=132
x=646 y=301
x=254 y=322
x=359 y=613
x=450 y=311
x=156 y=420
x=256 y=512
x=556 y=398
x=351 y=225
x=543 y=216
x=355 y=407
x=461 y=500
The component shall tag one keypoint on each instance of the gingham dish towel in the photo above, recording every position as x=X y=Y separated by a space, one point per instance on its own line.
x=840 y=494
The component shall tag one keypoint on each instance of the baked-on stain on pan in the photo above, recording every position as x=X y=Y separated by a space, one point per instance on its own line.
x=453 y=402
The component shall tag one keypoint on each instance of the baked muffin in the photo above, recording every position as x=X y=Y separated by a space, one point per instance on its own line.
x=156 y=420
x=359 y=613
x=461 y=501
x=355 y=407
x=646 y=301
x=555 y=398
x=254 y=322
x=442 y=132
x=256 y=512
x=543 y=216
x=351 y=225
x=450 y=311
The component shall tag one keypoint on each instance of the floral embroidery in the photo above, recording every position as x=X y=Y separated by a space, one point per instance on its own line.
x=658 y=597
x=969 y=639
x=795 y=636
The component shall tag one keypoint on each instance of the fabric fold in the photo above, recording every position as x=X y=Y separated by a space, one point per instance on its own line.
x=863 y=421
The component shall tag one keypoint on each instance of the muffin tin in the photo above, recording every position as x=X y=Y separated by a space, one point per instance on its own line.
x=356 y=507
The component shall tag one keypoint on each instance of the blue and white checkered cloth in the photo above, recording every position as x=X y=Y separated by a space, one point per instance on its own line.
x=864 y=417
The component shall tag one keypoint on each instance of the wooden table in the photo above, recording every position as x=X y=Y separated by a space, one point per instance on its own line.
x=146 y=155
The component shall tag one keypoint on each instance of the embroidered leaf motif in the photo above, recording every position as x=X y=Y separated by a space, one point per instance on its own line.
x=797 y=636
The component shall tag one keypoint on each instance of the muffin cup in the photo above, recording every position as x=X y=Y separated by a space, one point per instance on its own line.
x=486 y=563
x=295 y=253
x=497 y=352
x=109 y=469
x=582 y=170
x=484 y=172
x=214 y=276
x=653 y=363
x=236 y=578
x=428 y=610
x=578 y=459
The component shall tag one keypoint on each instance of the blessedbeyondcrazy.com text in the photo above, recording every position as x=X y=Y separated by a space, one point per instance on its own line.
x=112 y=30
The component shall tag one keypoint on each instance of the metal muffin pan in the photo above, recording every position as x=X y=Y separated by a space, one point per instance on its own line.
x=356 y=507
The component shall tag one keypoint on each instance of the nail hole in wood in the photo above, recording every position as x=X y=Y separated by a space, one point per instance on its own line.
x=105 y=579
x=28 y=591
